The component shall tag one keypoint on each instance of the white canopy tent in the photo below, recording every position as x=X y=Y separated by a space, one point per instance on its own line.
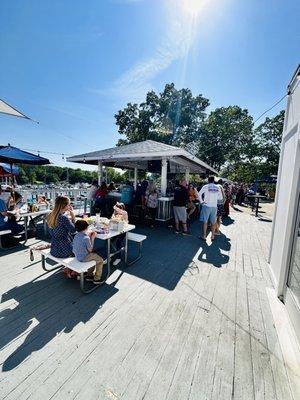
x=137 y=156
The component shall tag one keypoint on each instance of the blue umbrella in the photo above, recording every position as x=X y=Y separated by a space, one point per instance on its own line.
x=13 y=155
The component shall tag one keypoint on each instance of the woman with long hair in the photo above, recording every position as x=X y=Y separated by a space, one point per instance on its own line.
x=61 y=225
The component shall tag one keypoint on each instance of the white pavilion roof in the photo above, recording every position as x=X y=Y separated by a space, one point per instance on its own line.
x=138 y=154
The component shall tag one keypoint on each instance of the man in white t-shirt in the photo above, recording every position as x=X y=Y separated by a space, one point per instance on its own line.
x=209 y=196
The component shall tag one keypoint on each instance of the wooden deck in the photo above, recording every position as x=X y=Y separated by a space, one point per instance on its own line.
x=188 y=321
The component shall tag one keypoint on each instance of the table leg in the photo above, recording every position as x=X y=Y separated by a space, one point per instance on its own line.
x=126 y=249
x=26 y=228
x=45 y=225
x=108 y=258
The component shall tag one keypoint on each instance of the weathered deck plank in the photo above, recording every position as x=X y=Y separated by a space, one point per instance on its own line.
x=190 y=321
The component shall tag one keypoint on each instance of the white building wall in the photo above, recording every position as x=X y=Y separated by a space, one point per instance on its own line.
x=287 y=189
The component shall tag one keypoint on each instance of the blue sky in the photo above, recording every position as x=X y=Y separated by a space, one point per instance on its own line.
x=72 y=65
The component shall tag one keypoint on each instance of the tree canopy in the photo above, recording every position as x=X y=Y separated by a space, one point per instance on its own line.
x=268 y=141
x=172 y=116
x=225 y=138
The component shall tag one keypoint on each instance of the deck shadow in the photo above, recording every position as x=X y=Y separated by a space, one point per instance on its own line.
x=55 y=304
x=227 y=221
x=167 y=256
x=212 y=254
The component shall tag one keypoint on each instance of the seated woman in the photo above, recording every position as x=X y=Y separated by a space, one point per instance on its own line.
x=61 y=225
x=121 y=214
x=8 y=213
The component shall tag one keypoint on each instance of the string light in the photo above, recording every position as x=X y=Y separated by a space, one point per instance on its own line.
x=48 y=152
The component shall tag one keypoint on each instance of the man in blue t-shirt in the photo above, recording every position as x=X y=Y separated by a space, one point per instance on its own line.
x=3 y=212
x=127 y=194
x=8 y=224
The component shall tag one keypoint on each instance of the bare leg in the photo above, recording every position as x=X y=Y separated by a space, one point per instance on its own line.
x=177 y=225
x=204 y=230
x=191 y=211
x=213 y=228
x=184 y=226
x=218 y=224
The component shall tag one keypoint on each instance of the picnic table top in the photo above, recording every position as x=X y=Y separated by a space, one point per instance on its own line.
x=111 y=234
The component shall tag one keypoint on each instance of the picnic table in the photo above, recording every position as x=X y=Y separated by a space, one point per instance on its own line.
x=112 y=234
x=30 y=215
x=255 y=204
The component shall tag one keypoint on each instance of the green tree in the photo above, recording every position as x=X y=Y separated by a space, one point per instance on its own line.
x=268 y=137
x=172 y=116
x=226 y=137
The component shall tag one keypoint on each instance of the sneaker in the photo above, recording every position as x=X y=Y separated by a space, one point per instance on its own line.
x=97 y=282
x=177 y=231
x=187 y=233
x=117 y=261
x=89 y=278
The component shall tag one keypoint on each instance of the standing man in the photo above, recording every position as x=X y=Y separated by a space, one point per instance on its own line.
x=181 y=198
x=209 y=196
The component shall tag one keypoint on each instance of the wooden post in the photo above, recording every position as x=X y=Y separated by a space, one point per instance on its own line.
x=187 y=175
x=100 y=172
x=135 y=178
x=164 y=170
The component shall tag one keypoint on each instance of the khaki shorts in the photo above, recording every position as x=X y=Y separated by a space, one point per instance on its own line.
x=180 y=214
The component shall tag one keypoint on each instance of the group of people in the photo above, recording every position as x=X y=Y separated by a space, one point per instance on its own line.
x=145 y=197
x=212 y=201
x=71 y=237
x=11 y=202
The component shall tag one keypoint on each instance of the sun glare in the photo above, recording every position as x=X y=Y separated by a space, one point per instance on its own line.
x=193 y=7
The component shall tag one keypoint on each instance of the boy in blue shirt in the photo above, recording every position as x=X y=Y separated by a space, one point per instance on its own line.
x=83 y=244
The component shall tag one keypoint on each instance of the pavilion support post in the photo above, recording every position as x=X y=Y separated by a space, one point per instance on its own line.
x=164 y=170
x=135 y=178
x=100 y=172
x=187 y=175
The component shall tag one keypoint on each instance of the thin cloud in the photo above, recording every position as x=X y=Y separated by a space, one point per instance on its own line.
x=179 y=38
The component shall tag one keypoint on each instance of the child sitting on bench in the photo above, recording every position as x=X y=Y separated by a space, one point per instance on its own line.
x=83 y=244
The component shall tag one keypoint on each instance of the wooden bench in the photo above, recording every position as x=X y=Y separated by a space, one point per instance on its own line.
x=80 y=267
x=137 y=238
x=2 y=233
